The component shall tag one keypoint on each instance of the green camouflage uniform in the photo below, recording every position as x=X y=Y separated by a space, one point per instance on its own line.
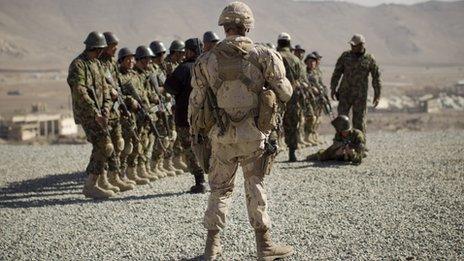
x=293 y=112
x=355 y=142
x=110 y=69
x=90 y=96
x=309 y=125
x=352 y=92
x=149 y=102
x=132 y=147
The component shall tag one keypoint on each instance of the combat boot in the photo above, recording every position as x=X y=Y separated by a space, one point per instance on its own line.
x=179 y=163
x=213 y=248
x=168 y=172
x=291 y=155
x=141 y=171
x=268 y=251
x=91 y=189
x=113 y=179
x=309 y=140
x=169 y=166
x=104 y=184
x=199 y=186
x=132 y=175
x=159 y=170
x=123 y=177
x=150 y=174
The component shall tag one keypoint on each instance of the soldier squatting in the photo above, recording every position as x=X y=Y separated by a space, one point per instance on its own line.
x=210 y=106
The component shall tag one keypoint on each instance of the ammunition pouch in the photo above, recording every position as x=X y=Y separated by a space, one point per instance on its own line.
x=267 y=111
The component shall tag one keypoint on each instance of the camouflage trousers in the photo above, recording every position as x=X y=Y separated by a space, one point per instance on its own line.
x=359 y=108
x=185 y=139
x=337 y=152
x=291 y=121
x=224 y=163
x=130 y=144
x=115 y=130
x=102 y=147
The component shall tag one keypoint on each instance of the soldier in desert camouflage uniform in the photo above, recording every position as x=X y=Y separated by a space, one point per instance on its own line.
x=91 y=106
x=355 y=67
x=233 y=76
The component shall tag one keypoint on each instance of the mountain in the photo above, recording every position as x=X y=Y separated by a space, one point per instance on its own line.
x=47 y=34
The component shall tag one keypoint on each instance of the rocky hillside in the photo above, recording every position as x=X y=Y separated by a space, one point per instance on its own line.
x=48 y=33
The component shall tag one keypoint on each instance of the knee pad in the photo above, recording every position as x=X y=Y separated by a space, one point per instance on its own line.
x=109 y=149
x=120 y=144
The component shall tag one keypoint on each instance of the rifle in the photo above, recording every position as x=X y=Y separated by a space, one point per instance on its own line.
x=215 y=109
x=120 y=104
x=153 y=80
x=105 y=128
x=145 y=116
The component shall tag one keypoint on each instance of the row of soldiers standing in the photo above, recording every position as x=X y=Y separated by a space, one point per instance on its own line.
x=128 y=115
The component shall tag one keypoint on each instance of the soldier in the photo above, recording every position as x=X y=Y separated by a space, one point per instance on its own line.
x=210 y=39
x=349 y=143
x=355 y=66
x=175 y=57
x=132 y=146
x=295 y=74
x=229 y=81
x=299 y=52
x=175 y=161
x=309 y=125
x=114 y=123
x=143 y=57
x=91 y=105
x=179 y=85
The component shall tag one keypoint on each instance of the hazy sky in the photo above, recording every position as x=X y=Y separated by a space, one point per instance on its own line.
x=377 y=2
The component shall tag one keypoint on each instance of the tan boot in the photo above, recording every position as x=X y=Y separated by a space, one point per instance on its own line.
x=151 y=175
x=310 y=140
x=169 y=166
x=115 y=180
x=91 y=189
x=267 y=250
x=132 y=175
x=142 y=172
x=156 y=170
x=213 y=248
x=167 y=171
x=179 y=163
x=161 y=172
x=123 y=177
x=104 y=184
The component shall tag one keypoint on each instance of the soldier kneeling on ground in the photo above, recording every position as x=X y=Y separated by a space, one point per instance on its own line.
x=348 y=145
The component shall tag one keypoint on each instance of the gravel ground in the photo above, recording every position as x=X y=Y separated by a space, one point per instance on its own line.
x=406 y=201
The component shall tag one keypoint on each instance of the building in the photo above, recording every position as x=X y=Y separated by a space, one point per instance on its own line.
x=37 y=126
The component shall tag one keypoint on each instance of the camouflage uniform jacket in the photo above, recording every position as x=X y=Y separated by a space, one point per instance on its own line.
x=110 y=68
x=355 y=69
x=169 y=65
x=355 y=139
x=294 y=70
x=89 y=91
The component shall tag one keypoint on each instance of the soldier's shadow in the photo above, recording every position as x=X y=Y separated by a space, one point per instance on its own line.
x=53 y=190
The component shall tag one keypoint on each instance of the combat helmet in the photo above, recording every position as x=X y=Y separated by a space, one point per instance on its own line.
x=341 y=123
x=123 y=53
x=194 y=44
x=210 y=37
x=95 y=40
x=110 y=38
x=237 y=13
x=143 y=52
x=177 y=46
x=157 y=47
x=311 y=56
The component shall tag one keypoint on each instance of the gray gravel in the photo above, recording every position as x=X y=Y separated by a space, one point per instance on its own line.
x=404 y=202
